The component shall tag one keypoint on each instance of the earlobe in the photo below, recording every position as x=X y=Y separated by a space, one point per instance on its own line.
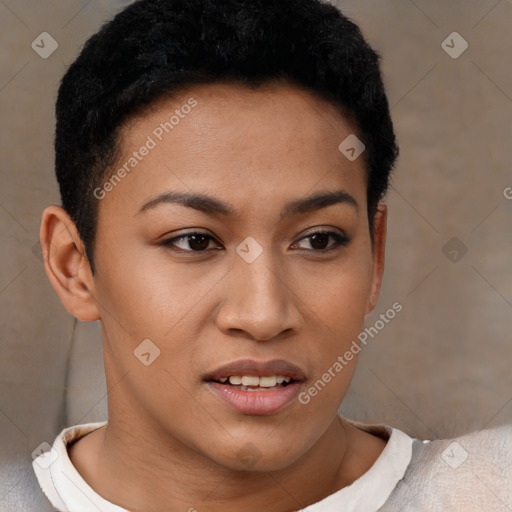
x=378 y=254
x=66 y=264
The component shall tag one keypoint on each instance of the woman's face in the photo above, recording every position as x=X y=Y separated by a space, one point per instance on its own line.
x=237 y=283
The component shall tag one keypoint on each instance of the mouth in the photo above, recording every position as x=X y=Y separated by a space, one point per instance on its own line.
x=256 y=388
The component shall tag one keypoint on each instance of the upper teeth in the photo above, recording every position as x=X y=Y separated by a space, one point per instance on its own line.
x=250 y=380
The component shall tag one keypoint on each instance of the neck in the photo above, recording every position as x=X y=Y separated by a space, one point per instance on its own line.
x=137 y=473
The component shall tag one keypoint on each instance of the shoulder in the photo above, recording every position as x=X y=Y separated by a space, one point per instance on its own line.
x=471 y=473
x=54 y=471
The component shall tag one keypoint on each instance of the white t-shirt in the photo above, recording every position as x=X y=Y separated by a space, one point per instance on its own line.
x=69 y=492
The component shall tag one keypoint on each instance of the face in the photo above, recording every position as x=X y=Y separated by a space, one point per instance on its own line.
x=212 y=248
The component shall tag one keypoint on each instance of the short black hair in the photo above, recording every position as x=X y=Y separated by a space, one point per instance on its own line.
x=156 y=48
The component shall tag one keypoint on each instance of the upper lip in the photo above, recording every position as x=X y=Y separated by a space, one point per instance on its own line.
x=257 y=369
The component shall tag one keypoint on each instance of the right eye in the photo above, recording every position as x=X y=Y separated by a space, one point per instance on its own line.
x=196 y=242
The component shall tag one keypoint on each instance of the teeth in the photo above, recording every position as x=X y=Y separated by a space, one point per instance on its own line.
x=251 y=380
x=268 y=382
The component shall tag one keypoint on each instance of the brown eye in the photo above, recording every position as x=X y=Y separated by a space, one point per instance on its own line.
x=198 y=242
x=189 y=242
x=319 y=240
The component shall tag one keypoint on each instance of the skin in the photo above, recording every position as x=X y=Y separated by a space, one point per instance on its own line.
x=170 y=443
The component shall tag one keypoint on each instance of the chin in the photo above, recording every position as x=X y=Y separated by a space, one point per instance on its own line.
x=259 y=454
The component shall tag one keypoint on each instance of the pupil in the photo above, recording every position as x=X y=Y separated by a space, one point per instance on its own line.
x=193 y=239
x=323 y=237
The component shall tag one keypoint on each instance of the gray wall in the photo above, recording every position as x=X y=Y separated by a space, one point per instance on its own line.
x=441 y=367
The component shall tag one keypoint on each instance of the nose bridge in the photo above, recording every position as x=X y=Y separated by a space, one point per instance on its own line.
x=258 y=272
x=258 y=300
x=262 y=281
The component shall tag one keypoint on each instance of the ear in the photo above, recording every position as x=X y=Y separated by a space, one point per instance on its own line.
x=66 y=264
x=378 y=254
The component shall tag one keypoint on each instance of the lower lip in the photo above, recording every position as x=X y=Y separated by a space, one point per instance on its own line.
x=261 y=403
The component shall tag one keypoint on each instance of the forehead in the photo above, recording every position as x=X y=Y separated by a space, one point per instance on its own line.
x=239 y=142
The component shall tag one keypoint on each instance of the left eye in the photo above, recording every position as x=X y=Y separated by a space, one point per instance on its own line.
x=319 y=239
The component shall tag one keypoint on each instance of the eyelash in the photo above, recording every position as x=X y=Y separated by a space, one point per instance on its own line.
x=340 y=241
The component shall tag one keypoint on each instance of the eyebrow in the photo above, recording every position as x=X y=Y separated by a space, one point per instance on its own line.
x=213 y=206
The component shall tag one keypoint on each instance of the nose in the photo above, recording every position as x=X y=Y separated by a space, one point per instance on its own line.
x=258 y=301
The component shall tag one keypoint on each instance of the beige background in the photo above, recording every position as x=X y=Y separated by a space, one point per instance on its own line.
x=441 y=367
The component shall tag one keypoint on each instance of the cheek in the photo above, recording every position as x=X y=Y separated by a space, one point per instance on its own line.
x=144 y=296
x=336 y=300
x=340 y=317
x=338 y=294
x=346 y=305
x=146 y=292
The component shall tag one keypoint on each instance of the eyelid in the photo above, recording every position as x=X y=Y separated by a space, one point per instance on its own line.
x=191 y=232
x=327 y=230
